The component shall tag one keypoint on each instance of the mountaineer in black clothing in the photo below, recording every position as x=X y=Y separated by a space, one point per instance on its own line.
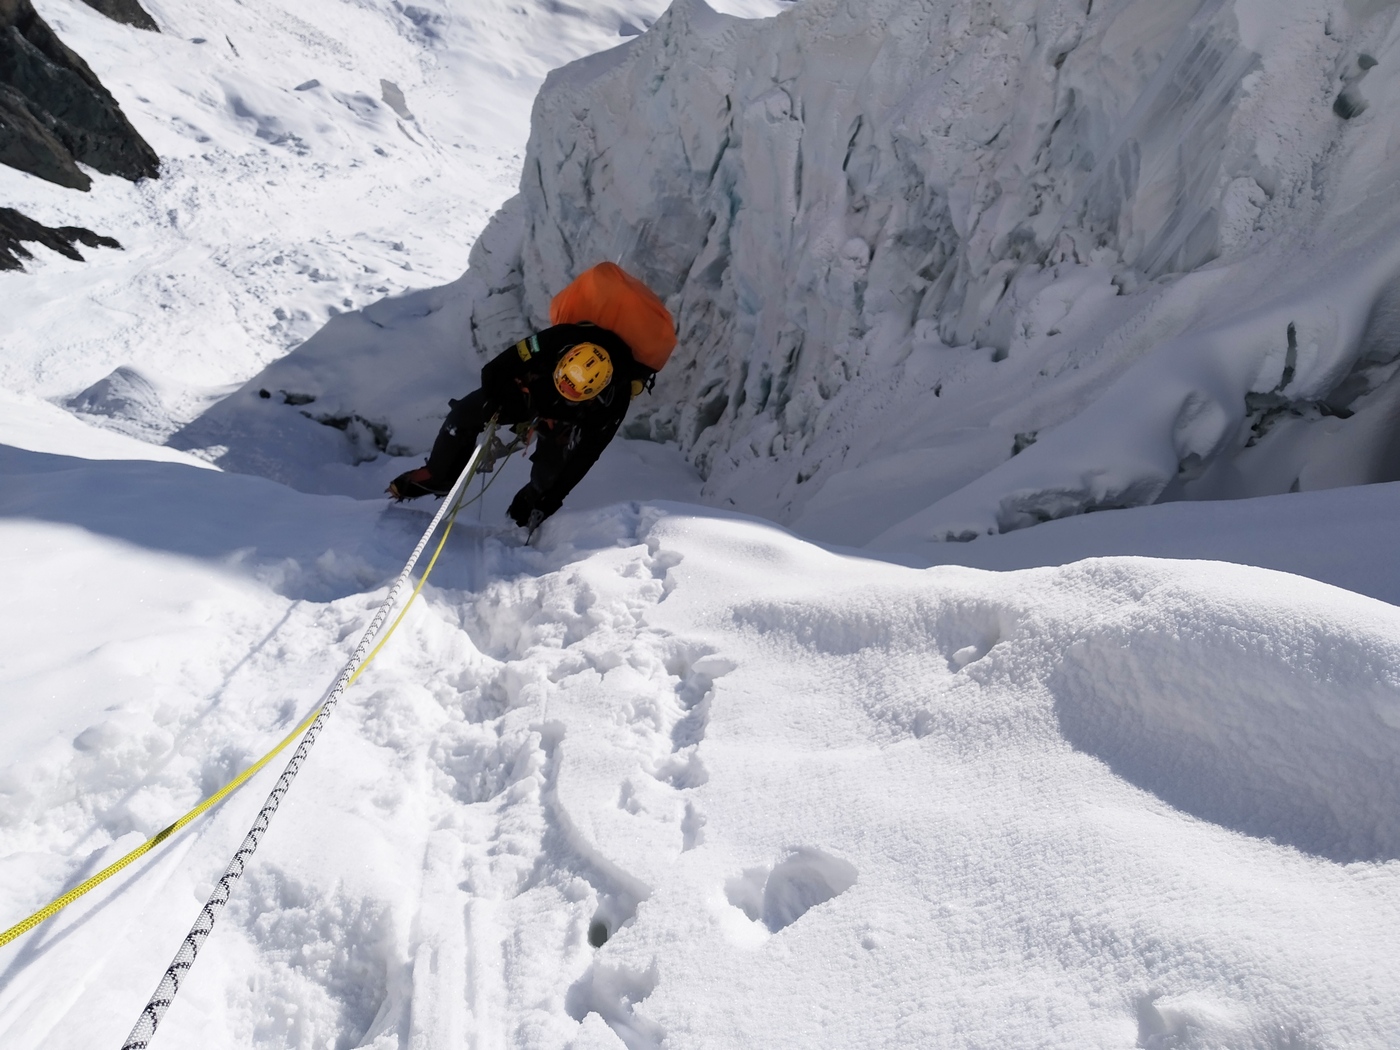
x=573 y=381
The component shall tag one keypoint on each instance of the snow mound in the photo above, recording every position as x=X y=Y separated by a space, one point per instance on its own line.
x=1276 y=718
x=781 y=895
x=26 y=422
x=1263 y=702
x=126 y=399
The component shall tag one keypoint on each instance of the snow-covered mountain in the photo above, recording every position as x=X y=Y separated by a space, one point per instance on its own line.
x=315 y=158
x=677 y=775
x=1007 y=261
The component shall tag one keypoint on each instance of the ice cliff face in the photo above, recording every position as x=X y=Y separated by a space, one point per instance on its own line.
x=1131 y=244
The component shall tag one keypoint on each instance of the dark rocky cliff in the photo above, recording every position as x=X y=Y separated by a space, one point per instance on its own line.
x=54 y=112
x=16 y=228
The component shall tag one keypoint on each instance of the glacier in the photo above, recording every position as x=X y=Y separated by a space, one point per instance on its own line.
x=1128 y=244
x=940 y=270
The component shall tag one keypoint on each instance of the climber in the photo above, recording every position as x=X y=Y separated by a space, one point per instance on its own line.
x=572 y=382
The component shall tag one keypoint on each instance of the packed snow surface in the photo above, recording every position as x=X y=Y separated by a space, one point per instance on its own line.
x=798 y=798
x=674 y=776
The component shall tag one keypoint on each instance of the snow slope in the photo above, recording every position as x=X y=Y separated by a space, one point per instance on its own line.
x=676 y=776
x=292 y=188
x=810 y=799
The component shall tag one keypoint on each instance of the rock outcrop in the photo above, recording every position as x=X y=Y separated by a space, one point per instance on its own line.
x=16 y=228
x=54 y=112
x=128 y=12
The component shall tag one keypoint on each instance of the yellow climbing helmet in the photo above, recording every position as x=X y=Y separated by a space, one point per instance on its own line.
x=583 y=372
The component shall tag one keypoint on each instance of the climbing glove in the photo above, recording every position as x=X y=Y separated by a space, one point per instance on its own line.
x=531 y=506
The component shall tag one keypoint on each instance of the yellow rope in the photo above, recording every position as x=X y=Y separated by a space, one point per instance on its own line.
x=53 y=908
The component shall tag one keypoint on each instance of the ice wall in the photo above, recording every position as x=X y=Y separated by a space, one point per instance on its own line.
x=1132 y=245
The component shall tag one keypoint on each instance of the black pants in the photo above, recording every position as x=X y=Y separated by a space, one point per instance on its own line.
x=468 y=417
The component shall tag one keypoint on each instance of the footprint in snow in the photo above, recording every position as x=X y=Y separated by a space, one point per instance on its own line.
x=780 y=895
x=974 y=650
x=613 y=992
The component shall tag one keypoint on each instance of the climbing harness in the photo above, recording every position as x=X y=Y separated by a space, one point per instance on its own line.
x=497 y=450
x=309 y=729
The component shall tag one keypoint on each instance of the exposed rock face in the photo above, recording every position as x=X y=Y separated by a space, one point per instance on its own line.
x=15 y=228
x=54 y=111
x=28 y=145
x=128 y=11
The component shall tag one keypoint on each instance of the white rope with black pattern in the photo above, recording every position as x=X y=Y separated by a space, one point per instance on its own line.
x=169 y=986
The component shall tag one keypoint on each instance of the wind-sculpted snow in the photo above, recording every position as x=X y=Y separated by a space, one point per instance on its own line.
x=673 y=779
x=906 y=241
x=1221 y=740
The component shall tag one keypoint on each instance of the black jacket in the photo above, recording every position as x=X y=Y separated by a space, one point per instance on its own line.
x=527 y=369
x=519 y=383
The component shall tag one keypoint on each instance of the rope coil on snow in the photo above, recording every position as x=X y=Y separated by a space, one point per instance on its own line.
x=169 y=986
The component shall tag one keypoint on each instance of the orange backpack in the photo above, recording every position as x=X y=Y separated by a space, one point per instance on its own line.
x=612 y=298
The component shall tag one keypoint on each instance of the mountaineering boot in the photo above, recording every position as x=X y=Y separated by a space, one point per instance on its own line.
x=524 y=508
x=414 y=483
